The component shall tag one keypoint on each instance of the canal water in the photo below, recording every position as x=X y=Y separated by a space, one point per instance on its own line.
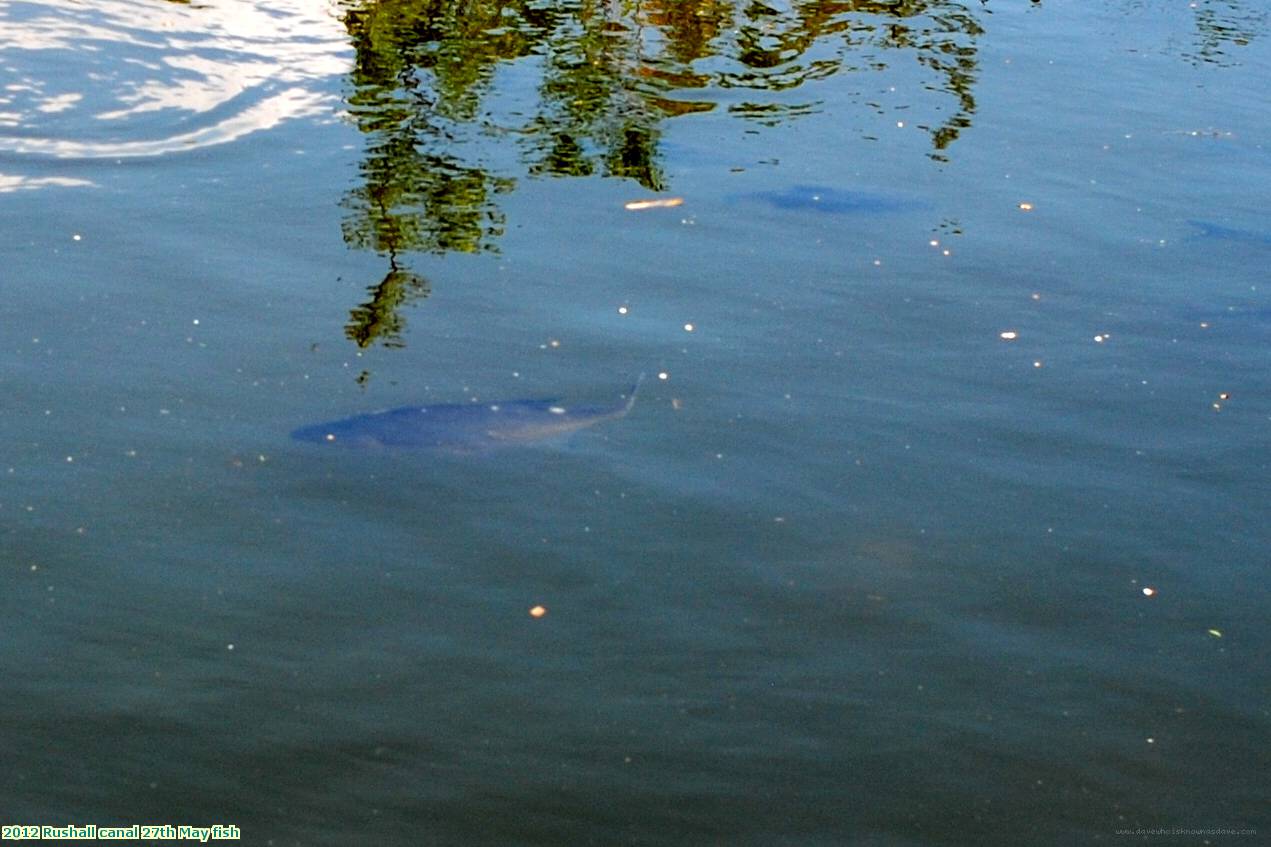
x=940 y=517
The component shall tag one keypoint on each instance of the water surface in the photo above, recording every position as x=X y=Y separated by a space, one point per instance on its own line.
x=939 y=522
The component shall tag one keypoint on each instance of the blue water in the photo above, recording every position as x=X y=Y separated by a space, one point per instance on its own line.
x=936 y=524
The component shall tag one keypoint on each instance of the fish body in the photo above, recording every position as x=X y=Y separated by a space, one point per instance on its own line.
x=833 y=201
x=1226 y=233
x=465 y=427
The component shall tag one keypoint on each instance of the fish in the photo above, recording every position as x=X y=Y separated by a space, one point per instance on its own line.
x=833 y=201
x=466 y=427
x=1226 y=233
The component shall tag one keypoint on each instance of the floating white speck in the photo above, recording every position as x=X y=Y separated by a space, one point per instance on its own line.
x=1026 y=207
x=688 y=327
x=1008 y=335
x=556 y=410
x=663 y=375
x=330 y=436
x=622 y=310
x=1149 y=592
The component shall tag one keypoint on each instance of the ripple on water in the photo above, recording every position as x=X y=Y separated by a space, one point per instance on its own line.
x=121 y=78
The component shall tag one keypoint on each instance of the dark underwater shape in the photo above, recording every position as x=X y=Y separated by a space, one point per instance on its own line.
x=465 y=427
x=834 y=201
x=1226 y=233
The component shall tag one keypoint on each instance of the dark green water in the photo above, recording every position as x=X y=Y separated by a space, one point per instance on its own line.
x=941 y=518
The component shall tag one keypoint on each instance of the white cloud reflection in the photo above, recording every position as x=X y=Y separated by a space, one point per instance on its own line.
x=120 y=78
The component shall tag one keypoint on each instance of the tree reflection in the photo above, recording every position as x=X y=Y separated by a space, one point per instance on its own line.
x=1222 y=25
x=451 y=95
x=379 y=318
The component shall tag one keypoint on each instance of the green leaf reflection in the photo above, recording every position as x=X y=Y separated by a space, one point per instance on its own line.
x=457 y=100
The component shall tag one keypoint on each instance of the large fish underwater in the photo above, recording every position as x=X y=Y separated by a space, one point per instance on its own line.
x=834 y=201
x=1226 y=233
x=466 y=427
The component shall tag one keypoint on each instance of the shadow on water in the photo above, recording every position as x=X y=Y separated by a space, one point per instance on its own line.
x=439 y=134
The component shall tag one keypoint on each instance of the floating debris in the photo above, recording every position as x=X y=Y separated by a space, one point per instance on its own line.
x=1026 y=207
x=662 y=203
x=1215 y=633
x=1149 y=592
x=1008 y=335
x=538 y=611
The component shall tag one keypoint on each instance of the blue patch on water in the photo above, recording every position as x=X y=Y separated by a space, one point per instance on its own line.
x=1226 y=233
x=464 y=427
x=834 y=201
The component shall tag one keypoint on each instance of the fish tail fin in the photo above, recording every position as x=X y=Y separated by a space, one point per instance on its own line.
x=630 y=395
